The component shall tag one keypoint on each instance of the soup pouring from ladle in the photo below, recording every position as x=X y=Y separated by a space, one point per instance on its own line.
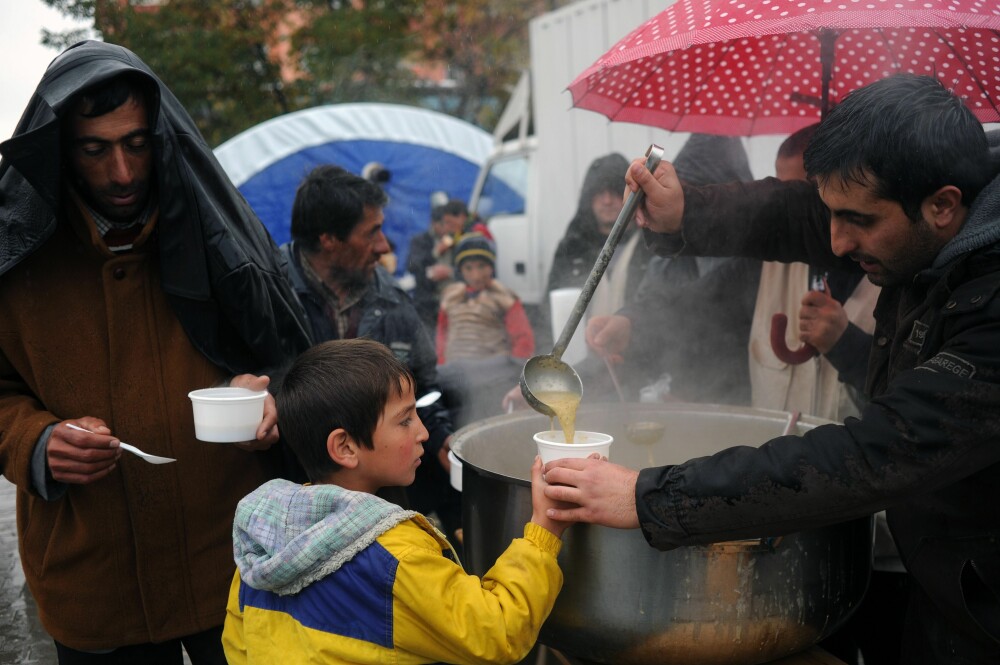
x=548 y=374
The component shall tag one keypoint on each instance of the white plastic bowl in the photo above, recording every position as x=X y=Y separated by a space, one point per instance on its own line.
x=227 y=415
x=552 y=444
x=456 y=470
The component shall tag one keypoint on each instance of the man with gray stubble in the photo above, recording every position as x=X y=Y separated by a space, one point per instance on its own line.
x=333 y=265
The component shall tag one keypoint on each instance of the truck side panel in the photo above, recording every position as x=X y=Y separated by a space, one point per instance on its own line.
x=563 y=44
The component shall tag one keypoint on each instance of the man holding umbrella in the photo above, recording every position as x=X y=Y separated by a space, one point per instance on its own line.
x=907 y=190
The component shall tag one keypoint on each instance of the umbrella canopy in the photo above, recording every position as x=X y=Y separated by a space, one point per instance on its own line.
x=748 y=67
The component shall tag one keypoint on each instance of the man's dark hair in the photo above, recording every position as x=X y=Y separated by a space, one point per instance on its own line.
x=452 y=207
x=344 y=383
x=106 y=96
x=797 y=143
x=331 y=200
x=904 y=137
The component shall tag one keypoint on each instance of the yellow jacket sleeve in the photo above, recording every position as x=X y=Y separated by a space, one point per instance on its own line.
x=445 y=614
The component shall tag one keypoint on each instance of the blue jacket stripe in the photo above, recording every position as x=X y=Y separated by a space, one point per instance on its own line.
x=355 y=601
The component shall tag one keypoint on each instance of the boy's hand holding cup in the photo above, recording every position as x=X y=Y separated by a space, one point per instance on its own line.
x=540 y=504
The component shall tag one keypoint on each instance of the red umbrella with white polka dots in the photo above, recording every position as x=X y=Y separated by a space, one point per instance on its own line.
x=748 y=67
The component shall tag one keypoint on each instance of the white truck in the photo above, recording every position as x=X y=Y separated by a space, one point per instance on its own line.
x=529 y=188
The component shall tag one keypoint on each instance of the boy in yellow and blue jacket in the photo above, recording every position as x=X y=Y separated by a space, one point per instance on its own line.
x=330 y=573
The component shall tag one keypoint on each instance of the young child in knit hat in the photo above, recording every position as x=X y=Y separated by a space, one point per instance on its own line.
x=329 y=572
x=479 y=317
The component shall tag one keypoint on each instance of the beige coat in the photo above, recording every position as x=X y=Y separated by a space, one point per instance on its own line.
x=812 y=387
x=144 y=554
x=476 y=326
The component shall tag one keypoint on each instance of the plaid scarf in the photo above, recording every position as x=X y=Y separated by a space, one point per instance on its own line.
x=287 y=536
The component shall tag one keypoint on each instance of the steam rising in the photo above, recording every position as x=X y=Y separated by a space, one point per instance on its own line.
x=690 y=319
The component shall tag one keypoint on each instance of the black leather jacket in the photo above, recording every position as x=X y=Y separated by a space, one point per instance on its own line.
x=693 y=323
x=219 y=267
x=926 y=448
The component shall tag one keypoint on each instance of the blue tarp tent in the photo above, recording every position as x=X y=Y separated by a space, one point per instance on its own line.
x=424 y=151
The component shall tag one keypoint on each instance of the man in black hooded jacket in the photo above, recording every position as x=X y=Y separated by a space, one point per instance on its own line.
x=599 y=206
x=131 y=272
x=597 y=210
x=908 y=189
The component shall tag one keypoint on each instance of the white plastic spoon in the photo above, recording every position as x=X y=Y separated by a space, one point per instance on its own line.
x=152 y=459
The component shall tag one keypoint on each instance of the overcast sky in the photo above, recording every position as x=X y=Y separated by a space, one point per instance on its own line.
x=24 y=58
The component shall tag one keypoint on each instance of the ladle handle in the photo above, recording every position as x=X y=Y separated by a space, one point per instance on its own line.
x=653 y=156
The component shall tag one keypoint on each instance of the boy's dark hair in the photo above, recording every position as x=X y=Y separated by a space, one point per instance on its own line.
x=331 y=200
x=797 y=143
x=905 y=137
x=452 y=207
x=344 y=383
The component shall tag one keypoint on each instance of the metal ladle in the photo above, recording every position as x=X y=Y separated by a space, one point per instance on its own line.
x=547 y=372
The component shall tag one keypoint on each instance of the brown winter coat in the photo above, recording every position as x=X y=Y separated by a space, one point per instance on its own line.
x=144 y=554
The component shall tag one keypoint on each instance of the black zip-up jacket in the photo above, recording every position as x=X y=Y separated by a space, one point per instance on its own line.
x=926 y=448
x=694 y=326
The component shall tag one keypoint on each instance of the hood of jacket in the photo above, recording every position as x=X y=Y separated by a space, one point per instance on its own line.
x=982 y=226
x=287 y=536
x=219 y=266
x=711 y=160
x=604 y=173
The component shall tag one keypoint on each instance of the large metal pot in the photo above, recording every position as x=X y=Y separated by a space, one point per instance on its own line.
x=624 y=602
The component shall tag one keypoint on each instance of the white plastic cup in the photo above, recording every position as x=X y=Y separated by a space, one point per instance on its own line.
x=552 y=444
x=455 y=475
x=227 y=415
